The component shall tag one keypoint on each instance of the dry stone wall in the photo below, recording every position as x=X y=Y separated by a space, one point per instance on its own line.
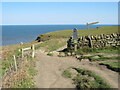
x=96 y=41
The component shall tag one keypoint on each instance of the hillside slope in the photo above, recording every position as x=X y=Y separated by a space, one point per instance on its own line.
x=84 y=32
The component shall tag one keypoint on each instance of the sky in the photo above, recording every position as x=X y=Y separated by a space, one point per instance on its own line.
x=51 y=13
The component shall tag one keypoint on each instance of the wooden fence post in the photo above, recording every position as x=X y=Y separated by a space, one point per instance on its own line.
x=22 y=52
x=33 y=51
x=15 y=62
x=75 y=47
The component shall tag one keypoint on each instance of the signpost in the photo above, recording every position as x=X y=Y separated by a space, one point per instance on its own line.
x=91 y=24
x=90 y=42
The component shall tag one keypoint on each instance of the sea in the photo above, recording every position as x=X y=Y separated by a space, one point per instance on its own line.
x=14 y=34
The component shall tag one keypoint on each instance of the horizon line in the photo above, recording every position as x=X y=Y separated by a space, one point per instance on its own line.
x=53 y=24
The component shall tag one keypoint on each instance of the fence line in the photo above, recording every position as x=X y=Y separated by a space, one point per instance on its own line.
x=29 y=48
x=15 y=66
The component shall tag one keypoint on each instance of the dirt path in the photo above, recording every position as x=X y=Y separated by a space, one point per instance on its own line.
x=50 y=71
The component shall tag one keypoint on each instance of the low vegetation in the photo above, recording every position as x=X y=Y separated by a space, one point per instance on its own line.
x=50 y=54
x=52 y=45
x=9 y=50
x=112 y=65
x=67 y=74
x=85 y=79
x=68 y=33
x=102 y=58
x=27 y=82
x=111 y=50
x=28 y=70
x=97 y=52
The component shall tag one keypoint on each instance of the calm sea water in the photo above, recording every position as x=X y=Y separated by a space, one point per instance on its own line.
x=14 y=34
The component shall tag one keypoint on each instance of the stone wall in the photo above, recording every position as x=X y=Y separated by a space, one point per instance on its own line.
x=95 y=41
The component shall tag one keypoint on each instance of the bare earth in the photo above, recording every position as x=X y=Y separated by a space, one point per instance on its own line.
x=50 y=70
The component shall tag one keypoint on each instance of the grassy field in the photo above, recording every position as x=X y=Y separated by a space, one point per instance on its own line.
x=84 y=32
x=52 y=45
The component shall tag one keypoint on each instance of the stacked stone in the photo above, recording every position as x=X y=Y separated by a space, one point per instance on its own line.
x=70 y=44
x=83 y=42
x=98 y=41
x=112 y=39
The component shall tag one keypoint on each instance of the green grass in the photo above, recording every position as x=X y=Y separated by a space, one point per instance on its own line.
x=1 y=72
x=60 y=56
x=68 y=33
x=8 y=51
x=32 y=71
x=100 y=58
x=50 y=54
x=85 y=82
x=106 y=58
x=87 y=50
x=96 y=51
x=26 y=83
x=67 y=74
x=9 y=60
x=112 y=65
x=52 y=45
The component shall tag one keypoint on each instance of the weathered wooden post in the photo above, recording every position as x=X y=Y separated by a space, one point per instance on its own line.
x=33 y=51
x=90 y=41
x=15 y=62
x=22 y=52
x=21 y=43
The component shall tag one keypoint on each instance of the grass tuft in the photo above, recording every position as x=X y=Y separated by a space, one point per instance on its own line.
x=67 y=74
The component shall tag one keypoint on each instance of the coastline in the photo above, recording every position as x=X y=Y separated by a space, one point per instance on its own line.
x=51 y=42
x=61 y=34
x=13 y=34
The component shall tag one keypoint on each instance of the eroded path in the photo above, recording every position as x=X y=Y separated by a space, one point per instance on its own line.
x=50 y=70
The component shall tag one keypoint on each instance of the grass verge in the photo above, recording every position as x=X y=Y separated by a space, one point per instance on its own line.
x=52 y=45
x=112 y=65
x=87 y=79
x=112 y=50
x=27 y=70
